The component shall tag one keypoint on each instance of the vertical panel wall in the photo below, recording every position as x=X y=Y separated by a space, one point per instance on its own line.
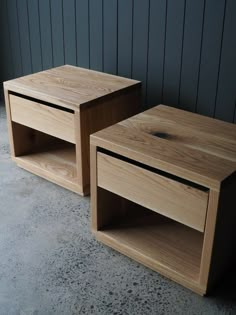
x=183 y=51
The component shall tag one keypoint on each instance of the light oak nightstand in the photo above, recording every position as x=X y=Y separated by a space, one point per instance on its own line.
x=52 y=113
x=163 y=186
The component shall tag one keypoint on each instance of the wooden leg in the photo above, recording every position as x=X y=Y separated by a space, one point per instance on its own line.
x=9 y=122
x=93 y=186
x=209 y=237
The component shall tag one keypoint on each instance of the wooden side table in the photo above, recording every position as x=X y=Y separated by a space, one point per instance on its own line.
x=52 y=113
x=163 y=187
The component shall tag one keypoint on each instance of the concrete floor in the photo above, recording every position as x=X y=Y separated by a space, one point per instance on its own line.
x=51 y=264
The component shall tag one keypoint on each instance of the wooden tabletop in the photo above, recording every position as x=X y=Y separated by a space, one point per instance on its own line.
x=194 y=147
x=69 y=86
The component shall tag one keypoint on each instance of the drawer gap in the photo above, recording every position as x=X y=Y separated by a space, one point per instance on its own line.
x=154 y=170
x=42 y=102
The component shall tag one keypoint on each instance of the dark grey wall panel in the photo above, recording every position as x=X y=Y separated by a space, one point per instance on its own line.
x=46 y=33
x=6 y=55
x=225 y=102
x=110 y=35
x=235 y=112
x=82 y=31
x=12 y=15
x=34 y=33
x=210 y=57
x=173 y=51
x=57 y=32
x=125 y=37
x=96 y=34
x=183 y=51
x=193 y=27
x=156 y=48
x=69 y=31
x=140 y=41
x=22 y=10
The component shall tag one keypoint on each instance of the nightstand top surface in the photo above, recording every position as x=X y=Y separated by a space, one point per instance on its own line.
x=191 y=146
x=69 y=86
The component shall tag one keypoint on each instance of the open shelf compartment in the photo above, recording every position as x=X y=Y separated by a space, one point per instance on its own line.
x=46 y=156
x=156 y=241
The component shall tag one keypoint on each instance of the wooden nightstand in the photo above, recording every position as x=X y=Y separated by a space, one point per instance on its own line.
x=163 y=187
x=52 y=113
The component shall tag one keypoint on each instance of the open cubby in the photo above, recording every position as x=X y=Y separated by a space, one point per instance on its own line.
x=46 y=155
x=69 y=103
x=150 y=238
x=181 y=221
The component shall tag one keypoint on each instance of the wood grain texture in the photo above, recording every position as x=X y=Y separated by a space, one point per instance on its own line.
x=57 y=166
x=187 y=163
x=34 y=140
x=97 y=101
x=70 y=87
x=109 y=111
x=223 y=245
x=209 y=236
x=185 y=135
x=9 y=122
x=161 y=244
x=156 y=192
x=198 y=122
x=54 y=122
x=93 y=189
x=129 y=158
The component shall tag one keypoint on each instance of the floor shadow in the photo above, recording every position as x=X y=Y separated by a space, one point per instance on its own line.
x=225 y=290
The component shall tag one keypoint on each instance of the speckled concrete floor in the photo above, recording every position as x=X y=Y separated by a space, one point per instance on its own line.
x=51 y=264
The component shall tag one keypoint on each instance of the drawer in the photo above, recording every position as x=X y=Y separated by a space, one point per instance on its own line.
x=170 y=197
x=52 y=121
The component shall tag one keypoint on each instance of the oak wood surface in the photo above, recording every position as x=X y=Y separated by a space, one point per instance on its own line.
x=41 y=101
x=9 y=122
x=57 y=165
x=197 y=148
x=219 y=255
x=168 y=141
x=49 y=120
x=209 y=236
x=101 y=115
x=159 y=243
x=190 y=136
x=200 y=167
x=203 y=124
x=156 y=192
x=69 y=86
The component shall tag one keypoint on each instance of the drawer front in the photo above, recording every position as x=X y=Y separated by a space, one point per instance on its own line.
x=52 y=121
x=169 y=197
